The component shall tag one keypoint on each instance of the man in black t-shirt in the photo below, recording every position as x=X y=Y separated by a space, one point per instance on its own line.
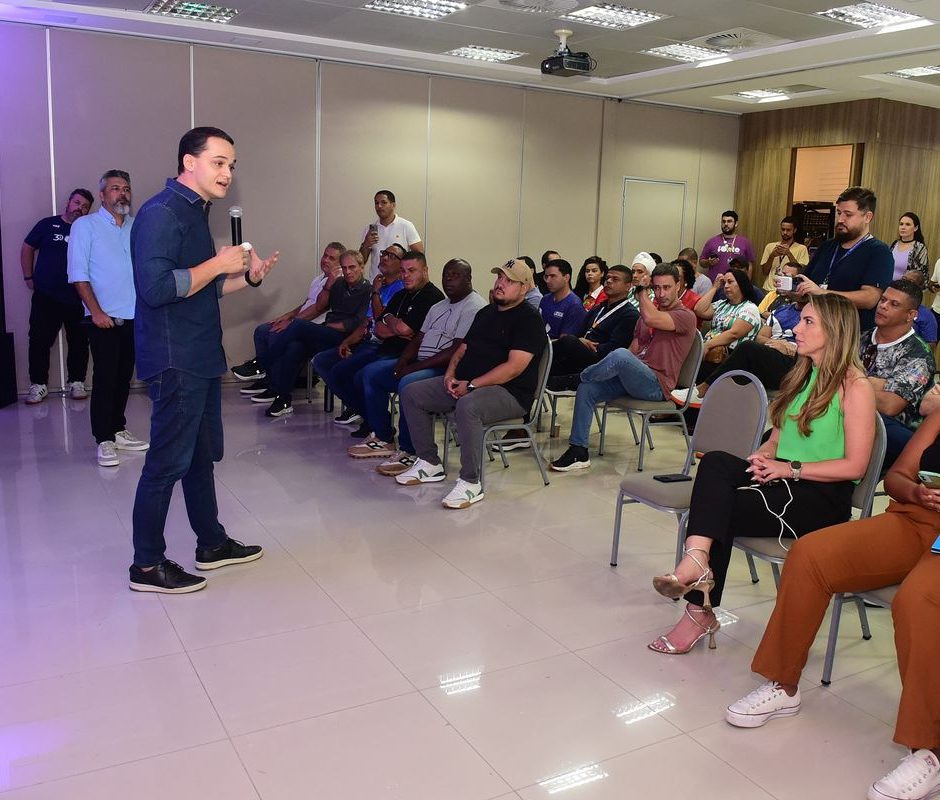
x=492 y=377
x=55 y=302
x=399 y=322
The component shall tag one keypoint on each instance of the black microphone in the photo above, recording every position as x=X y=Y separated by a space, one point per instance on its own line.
x=235 y=212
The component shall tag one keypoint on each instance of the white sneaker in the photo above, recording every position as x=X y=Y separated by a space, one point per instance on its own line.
x=915 y=778
x=422 y=472
x=679 y=395
x=125 y=440
x=463 y=495
x=397 y=464
x=77 y=390
x=767 y=701
x=107 y=455
x=37 y=393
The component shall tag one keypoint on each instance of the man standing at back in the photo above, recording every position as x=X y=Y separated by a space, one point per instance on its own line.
x=777 y=255
x=720 y=249
x=179 y=279
x=387 y=230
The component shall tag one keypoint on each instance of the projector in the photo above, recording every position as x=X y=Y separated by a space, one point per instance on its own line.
x=568 y=64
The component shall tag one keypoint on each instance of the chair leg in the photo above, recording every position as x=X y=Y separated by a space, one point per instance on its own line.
x=632 y=428
x=603 y=424
x=863 y=618
x=538 y=458
x=538 y=415
x=833 y=636
x=755 y=578
x=618 y=518
x=327 y=399
x=775 y=569
x=680 y=536
x=309 y=382
x=446 y=444
x=553 y=402
x=644 y=435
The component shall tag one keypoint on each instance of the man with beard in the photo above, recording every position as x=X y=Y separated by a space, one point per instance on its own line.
x=179 y=278
x=720 y=249
x=778 y=254
x=99 y=265
x=854 y=264
x=54 y=302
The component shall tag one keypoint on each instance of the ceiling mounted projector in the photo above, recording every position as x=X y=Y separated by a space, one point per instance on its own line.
x=564 y=62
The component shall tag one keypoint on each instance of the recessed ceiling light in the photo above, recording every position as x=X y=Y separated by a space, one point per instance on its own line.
x=684 y=52
x=868 y=15
x=761 y=94
x=477 y=53
x=915 y=72
x=614 y=17
x=420 y=9
x=199 y=11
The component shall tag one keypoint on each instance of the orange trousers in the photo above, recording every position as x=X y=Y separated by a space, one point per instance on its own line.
x=893 y=547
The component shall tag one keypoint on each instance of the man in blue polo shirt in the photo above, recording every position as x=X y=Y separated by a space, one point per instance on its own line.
x=179 y=278
x=99 y=265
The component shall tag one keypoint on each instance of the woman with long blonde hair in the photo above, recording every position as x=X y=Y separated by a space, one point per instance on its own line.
x=801 y=479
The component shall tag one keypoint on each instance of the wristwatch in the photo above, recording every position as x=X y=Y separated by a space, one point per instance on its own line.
x=470 y=386
x=796 y=467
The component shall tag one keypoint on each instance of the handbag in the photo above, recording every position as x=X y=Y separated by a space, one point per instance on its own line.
x=716 y=355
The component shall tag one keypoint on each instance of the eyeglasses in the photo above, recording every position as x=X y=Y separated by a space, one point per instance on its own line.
x=391 y=254
x=868 y=359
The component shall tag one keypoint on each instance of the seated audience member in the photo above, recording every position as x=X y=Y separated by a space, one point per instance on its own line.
x=534 y=295
x=757 y=294
x=769 y=357
x=425 y=356
x=539 y=277
x=777 y=255
x=823 y=433
x=899 y=364
x=646 y=371
x=702 y=281
x=342 y=368
x=890 y=548
x=608 y=325
x=924 y=323
x=266 y=332
x=687 y=297
x=492 y=377
x=642 y=267
x=561 y=309
x=590 y=284
x=345 y=305
x=909 y=250
x=734 y=319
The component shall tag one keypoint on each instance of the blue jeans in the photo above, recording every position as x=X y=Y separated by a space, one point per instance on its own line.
x=342 y=375
x=378 y=381
x=617 y=374
x=299 y=341
x=264 y=337
x=185 y=440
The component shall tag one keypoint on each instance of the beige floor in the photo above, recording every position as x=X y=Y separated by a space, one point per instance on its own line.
x=385 y=647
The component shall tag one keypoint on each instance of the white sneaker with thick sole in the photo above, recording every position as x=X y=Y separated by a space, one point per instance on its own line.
x=679 y=395
x=77 y=391
x=917 y=777
x=767 y=701
x=463 y=495
x=125 y=440
x=37 y=393
x=107 y=455
x=422 y=472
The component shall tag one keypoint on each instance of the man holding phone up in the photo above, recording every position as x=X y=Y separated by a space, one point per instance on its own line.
x=387 y=230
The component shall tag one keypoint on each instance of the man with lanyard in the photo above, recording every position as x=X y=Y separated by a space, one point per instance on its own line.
x=179 y=278
x=607 y=327
x=854 y=264
x=721 y=248
x=648 y=370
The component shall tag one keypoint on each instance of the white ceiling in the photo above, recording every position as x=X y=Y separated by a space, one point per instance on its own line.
x=833 y=61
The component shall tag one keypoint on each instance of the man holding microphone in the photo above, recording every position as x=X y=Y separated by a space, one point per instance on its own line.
x=178 y=332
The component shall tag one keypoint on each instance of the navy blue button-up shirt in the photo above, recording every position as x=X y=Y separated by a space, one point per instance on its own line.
x=173 y=331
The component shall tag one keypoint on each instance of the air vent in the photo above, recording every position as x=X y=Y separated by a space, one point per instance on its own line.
x=739 y=39
x=553 y=7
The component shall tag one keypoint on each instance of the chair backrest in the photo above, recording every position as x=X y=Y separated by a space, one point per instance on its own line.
x=732 y=416
x=690 y=367
x=864 y=494
x=545 y=366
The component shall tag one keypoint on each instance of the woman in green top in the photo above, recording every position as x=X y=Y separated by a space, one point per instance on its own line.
x=823 y=433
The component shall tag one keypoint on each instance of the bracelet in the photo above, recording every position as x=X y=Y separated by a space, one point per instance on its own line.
x=249 y=281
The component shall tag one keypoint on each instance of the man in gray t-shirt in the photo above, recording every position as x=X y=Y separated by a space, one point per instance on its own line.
x=426 y=356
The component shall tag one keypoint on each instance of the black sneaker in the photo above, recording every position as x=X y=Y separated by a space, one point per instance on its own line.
x=166 y=578
x=264 y=397
x=232 y=552
x=256 y=388
x=249 y=371
x=348 y=417
x=279 y=407
x=563 y=383
x=574 y=457
x=362 y=431
x=518 y=433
